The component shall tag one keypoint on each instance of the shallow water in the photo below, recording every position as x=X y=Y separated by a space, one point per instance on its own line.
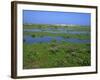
x=60 y=30
x=47 y=39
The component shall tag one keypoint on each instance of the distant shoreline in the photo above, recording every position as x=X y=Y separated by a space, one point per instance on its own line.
x=57 y=24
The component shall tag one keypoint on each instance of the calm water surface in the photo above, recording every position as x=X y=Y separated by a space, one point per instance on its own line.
x=47 y=39
x=60 y=30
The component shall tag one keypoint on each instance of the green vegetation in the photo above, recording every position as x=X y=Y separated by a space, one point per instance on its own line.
x=54 y=54
x=45 y=26
x=46 y=55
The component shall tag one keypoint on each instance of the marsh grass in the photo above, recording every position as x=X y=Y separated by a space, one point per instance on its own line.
x=48 y=55
x=45 y=26
x=33 y=35
x=56 y=54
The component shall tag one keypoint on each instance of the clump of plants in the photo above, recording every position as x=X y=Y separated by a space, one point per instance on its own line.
x=33 y=35
x=53 y=49
x=66 y=36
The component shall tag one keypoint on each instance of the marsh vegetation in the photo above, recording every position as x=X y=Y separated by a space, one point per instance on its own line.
x=48 y=46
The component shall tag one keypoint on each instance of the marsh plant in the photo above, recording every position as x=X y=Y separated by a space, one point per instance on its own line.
x=54 y=49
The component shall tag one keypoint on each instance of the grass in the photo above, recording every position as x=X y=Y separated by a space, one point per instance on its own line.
x=48 y=55
x=54 y=54
x=45 y=26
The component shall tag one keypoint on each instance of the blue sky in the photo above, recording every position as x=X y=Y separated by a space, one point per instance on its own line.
x=52 y=17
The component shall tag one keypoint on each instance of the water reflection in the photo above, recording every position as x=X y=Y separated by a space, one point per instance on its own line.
x=47 y=39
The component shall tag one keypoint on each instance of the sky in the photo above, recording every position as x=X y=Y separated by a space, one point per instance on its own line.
x=54 y=17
